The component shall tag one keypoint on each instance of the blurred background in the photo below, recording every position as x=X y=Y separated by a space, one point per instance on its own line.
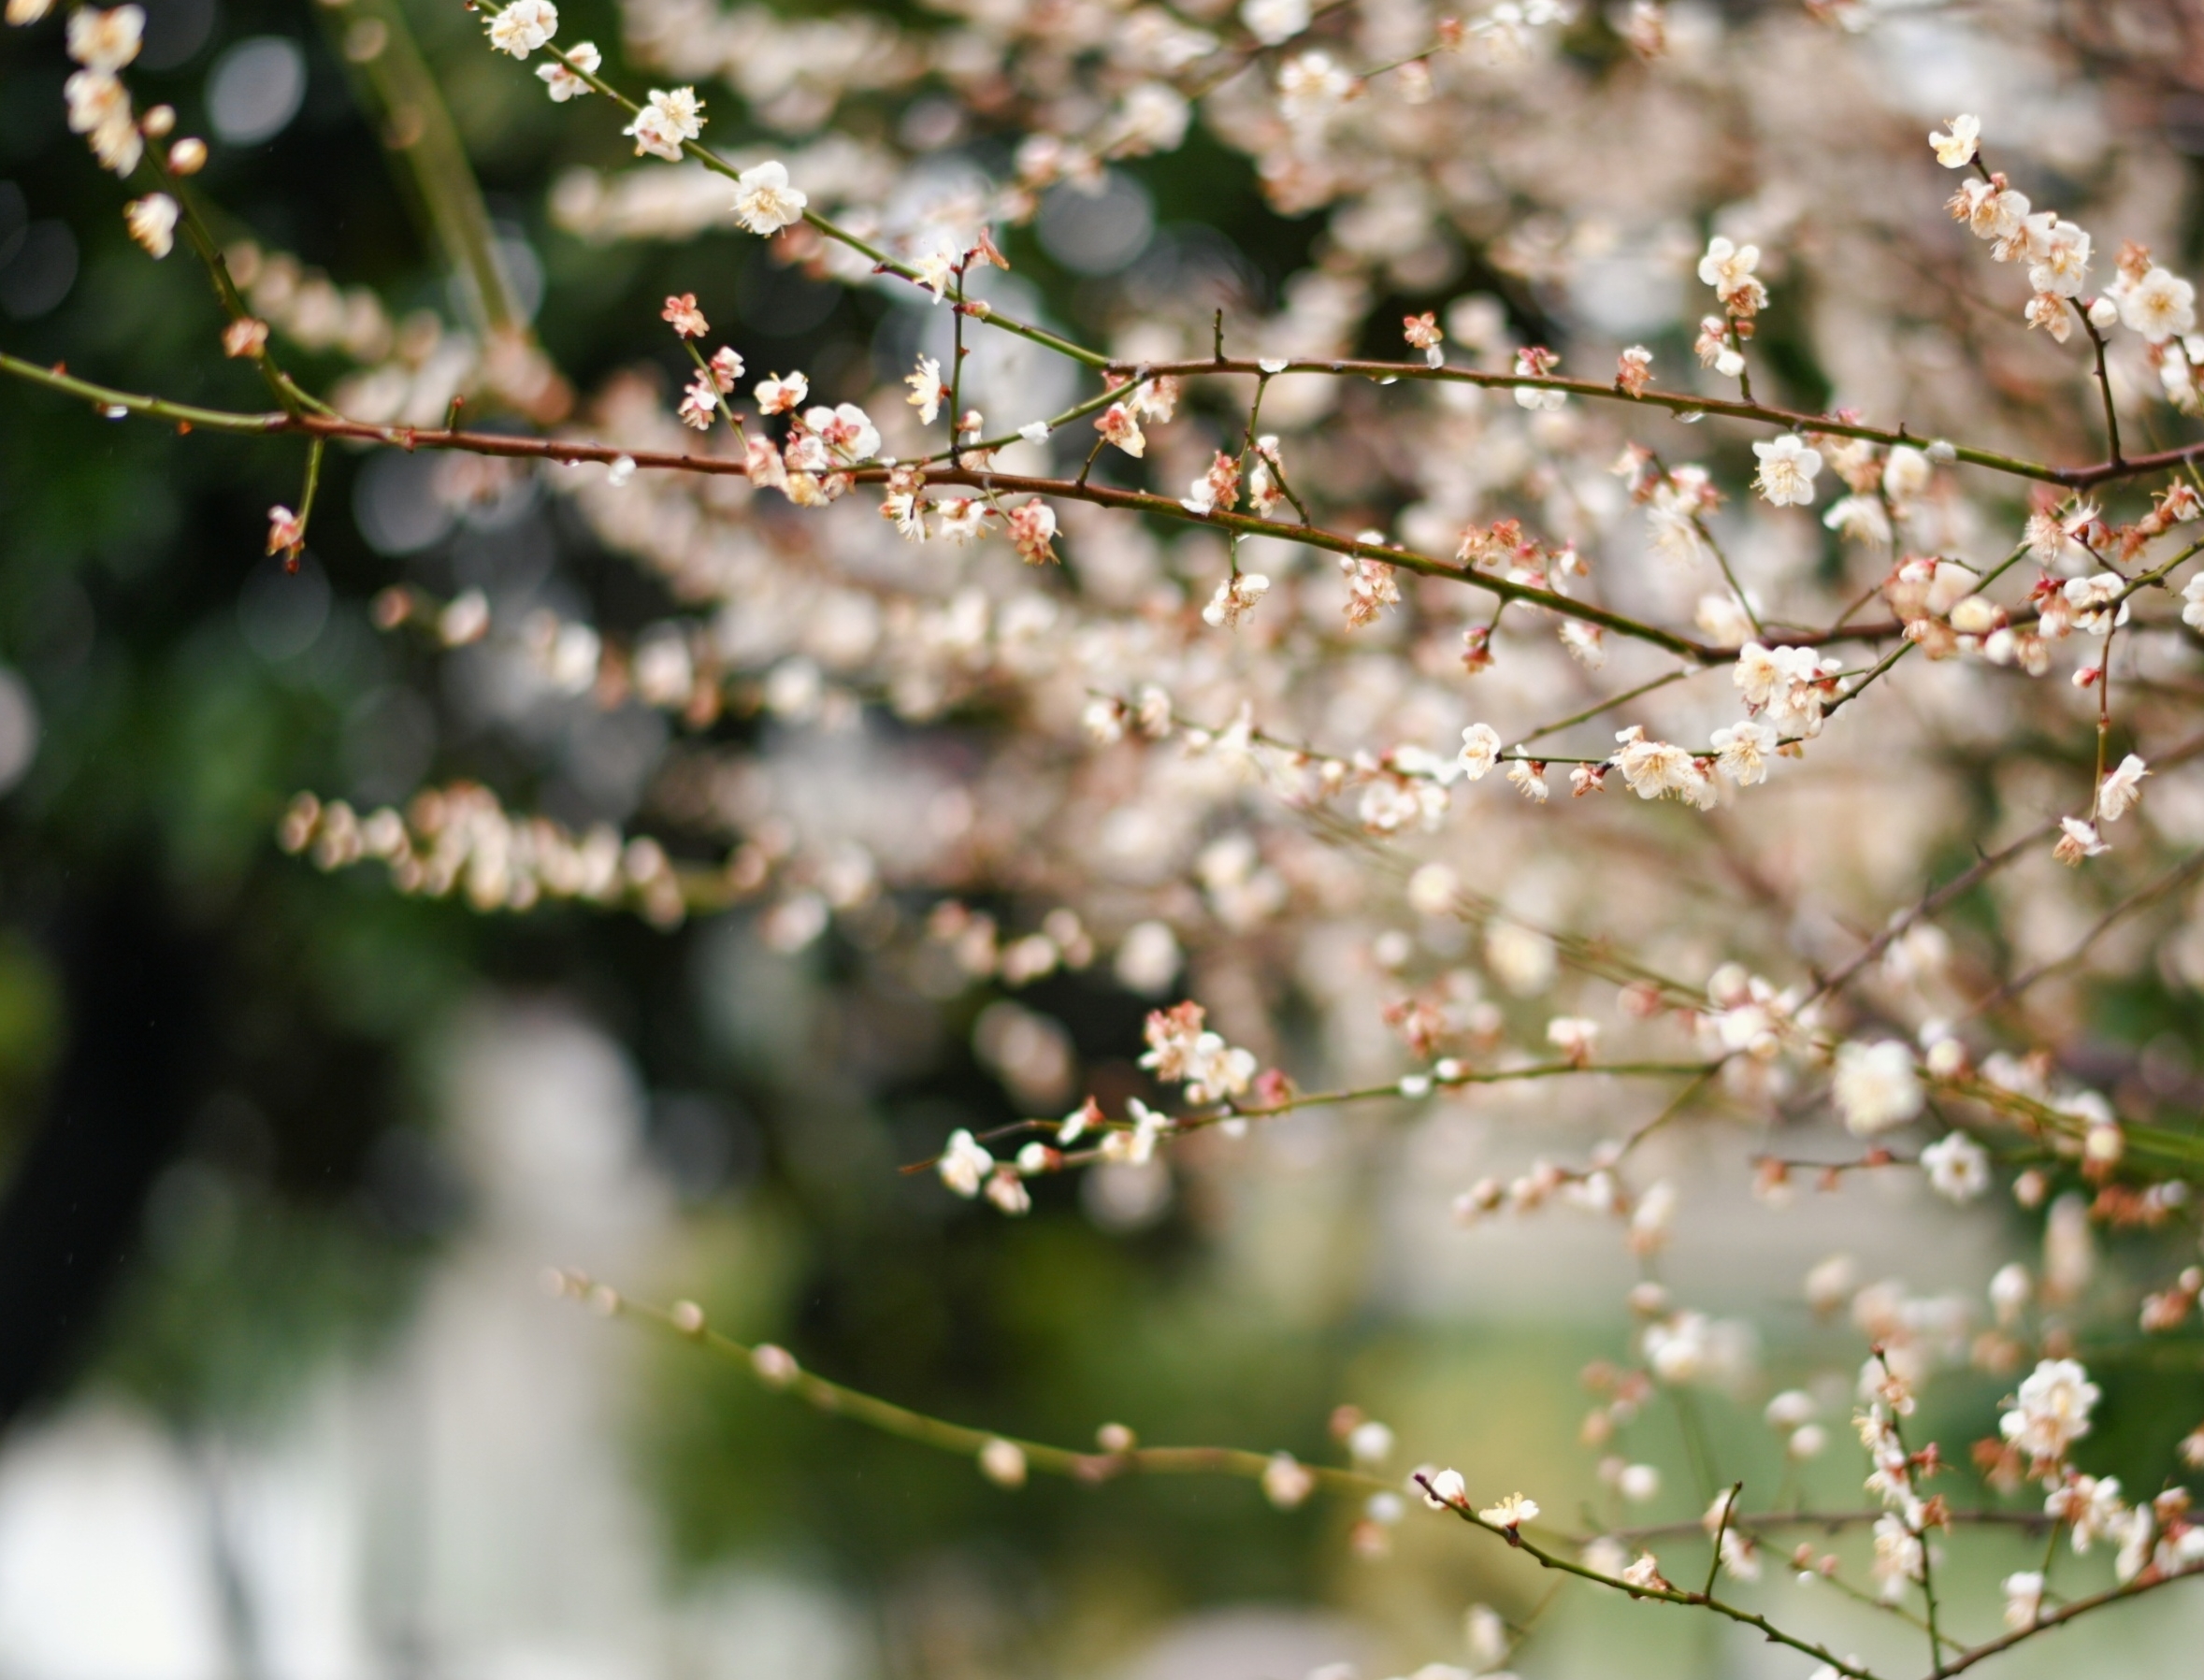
x=285 y=1155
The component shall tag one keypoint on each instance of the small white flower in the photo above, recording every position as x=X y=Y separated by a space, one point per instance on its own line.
x=1287 y=1483
x=1272 y=22
x=1234 y=599
x=964 y=1164
x=1958 y=1167
x=1787 y=469
x=2024 y=1599
x=765 y=203
x=1369 y=1443
x=152 y=222
x=1004 y=1463
x=777 y=395
x=1728 y=267
x=561 y=82
x=107 y=40
x=1644 y=1573
x=1789 y=1408
x=1529 y=777
x=1742 y=751
x=1311 y=86
x=523 y=26
x=2191 y=597
x=2061 y=260
x=2052 y=1410
x=667 y=120
x=1574 y=1037
x=2160 y=306
x=1442 y=1488
x=1899 y=1556
x=2077 y=841
x=1659 y=770
x=1511 y=1513
x=2121 y=789
x=1957 y=149
x=1480 y=751
x=2010 y=1290
x=1875 y=1086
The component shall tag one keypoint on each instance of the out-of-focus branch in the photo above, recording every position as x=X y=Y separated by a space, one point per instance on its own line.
x=416 y=129
x=776 y=1369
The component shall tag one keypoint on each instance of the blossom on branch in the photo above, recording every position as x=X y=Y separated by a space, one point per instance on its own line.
x=110 y=40
x=152 y=222
x=1728 y=267
x=563 y=83
x=1234 y=599
x=667 y=120
x=765 y=203
x=1033 y=532
x=1787 y=469
x=1956 y=148
x=523 y=26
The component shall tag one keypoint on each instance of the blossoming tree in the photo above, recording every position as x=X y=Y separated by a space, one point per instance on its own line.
x=1812 y=509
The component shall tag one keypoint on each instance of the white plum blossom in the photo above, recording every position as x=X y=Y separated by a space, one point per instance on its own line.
x=1728 y=267
x=1274 y=21
x=765 y=203
x=1312 y=86
x=964 y=1164
x=1004 y=1463
x=1370 y=1442
x=2050 y=1411
x=1991 y=211
x=1370 y=589
x=1511 y=1513
x=1234 y=599
x=152 y=222
x=1742 y=751
x=523 y=26
x=107 y=41
x=1787 y=469
x=1658 y=770
x=562 y=82
x=1480 y=751
x=1788 y=686
x=1441 y=1488
x=1181 y=1049
x=2077 y=841
x=1875 y=1086
x=2121 y=789
x=1956 y=148
x=1958 y=1167
x=780 y=393
x=1287 y=1483
x=927 y=390
x=1899 y=1556
x=1573 y=1036
x=665 y=121
x=2158 y=307
x=2059 y=259
x=2091 y=1505
x=2024 y=1599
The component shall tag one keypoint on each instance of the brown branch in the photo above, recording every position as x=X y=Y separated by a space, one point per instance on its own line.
x=2066 y=1612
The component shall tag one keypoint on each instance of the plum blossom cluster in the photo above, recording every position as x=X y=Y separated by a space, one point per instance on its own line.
x=1201 y=634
